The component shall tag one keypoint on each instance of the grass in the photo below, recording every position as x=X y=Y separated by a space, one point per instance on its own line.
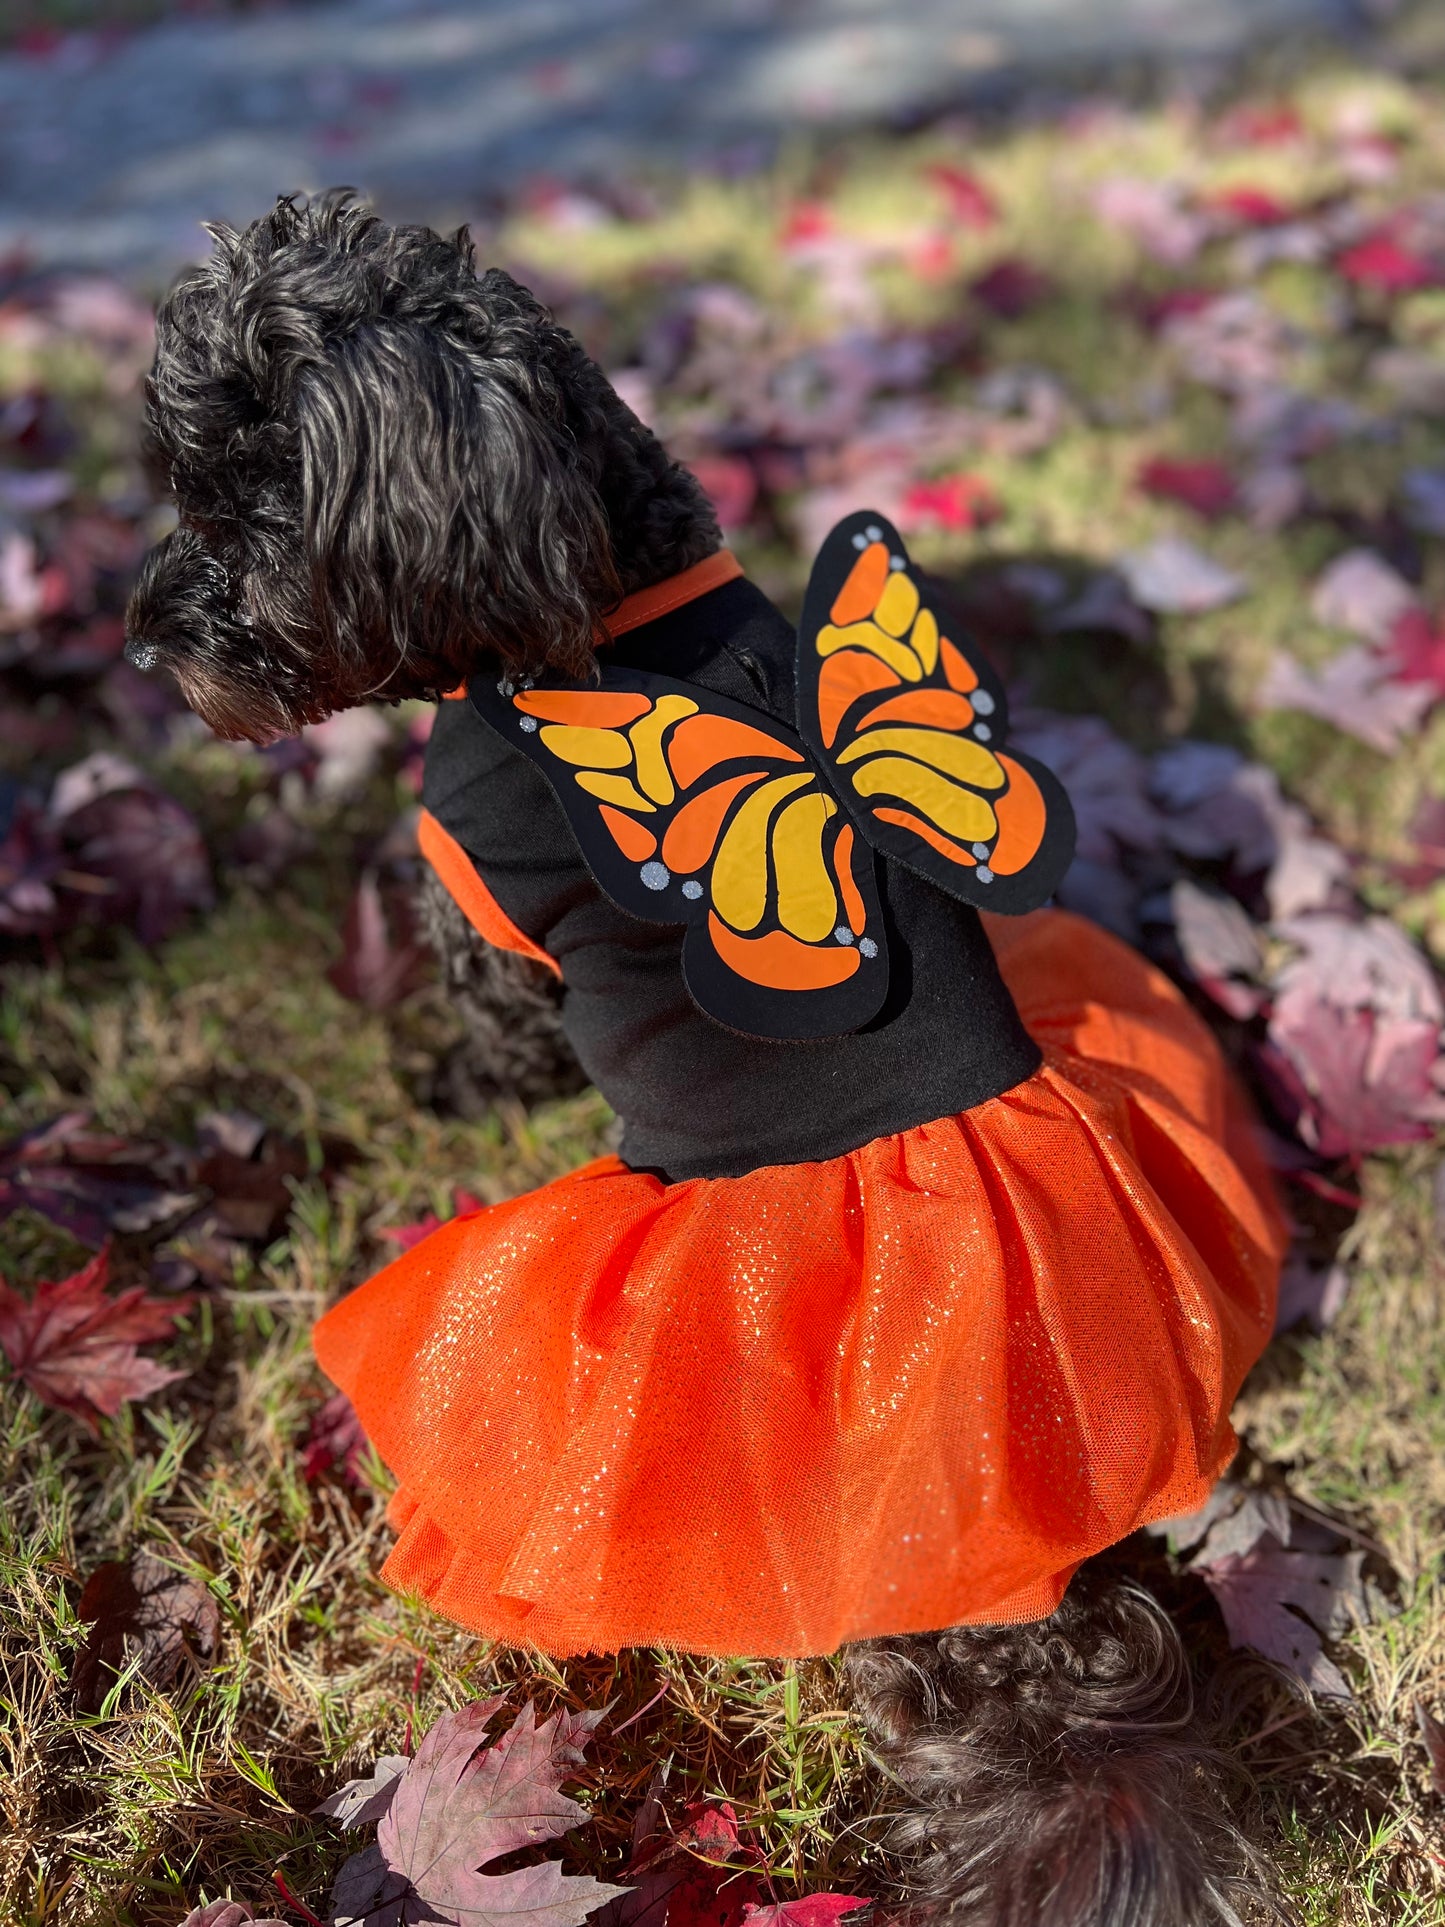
x=132 y=1815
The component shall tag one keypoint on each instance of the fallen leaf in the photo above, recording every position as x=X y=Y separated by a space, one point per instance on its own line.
x=1232 y=1520
x=1360 y=592
x=1385 y=265
x=1361 y=1082
x=1221 y=947
x=461 y=1804
x=1356 y=691
x=1433 y=1735
x=1364 y=964
x=1313 y=1294
x=699 y=1876
x=252 y=1197
x=334 y=1442
x=1204 y=486
x=1249 y=206
x=381 y=962
x=75 y=1348
x=1176 y=578
x=362 y=1801
x=228 y=1913
x=409 y=1236
x=1279 y=1602
x=91 y=1183
x=805 y=1910
x=1416 y=651
x=143 y=1611
x=1354 y=1035
x=956 y=503
x=969 y=201
x=1010 y=288
x=1154 y=214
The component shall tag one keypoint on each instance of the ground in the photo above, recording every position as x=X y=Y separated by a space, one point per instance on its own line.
x=753 y=318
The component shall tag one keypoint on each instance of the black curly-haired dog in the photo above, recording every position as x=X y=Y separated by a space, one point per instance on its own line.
x=390 y=471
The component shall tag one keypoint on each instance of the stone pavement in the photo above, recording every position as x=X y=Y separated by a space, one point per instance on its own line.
x=110 y=153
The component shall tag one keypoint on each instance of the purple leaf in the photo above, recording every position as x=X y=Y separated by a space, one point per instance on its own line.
x=1239 y=1514
x=461 y=1804
x=1221 y=947
x=376 y=970
x=1274 y=1601
x=1355 y=691
x=362 y=1801
x=1310 y=1293
x=90 y=1184
x=227 y=1913
x=1361 y=593
x=1153 y=213
x=1174 y=577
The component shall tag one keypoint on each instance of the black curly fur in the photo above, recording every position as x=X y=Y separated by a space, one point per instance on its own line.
x=514 y=1045
x=1055 y=1775
x=388 y=468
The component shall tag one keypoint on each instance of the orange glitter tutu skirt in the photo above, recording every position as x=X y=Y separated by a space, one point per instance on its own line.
x=903 y=1389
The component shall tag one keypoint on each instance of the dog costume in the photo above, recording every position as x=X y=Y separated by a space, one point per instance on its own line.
x=937 y=1245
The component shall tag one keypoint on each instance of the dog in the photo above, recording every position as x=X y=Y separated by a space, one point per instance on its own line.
x=391 y=472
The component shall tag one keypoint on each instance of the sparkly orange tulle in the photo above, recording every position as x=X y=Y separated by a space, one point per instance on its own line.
x=901 y=1389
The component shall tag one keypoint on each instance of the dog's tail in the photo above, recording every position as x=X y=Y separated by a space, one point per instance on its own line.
x=1054 y=1774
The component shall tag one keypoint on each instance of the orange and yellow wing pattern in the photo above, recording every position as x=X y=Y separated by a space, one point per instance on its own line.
x=911 y=727
x=694 y=810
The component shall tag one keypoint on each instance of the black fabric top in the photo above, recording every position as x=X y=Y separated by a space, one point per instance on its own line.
x=697 y=1100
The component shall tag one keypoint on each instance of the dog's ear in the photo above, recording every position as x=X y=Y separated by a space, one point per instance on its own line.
x=446 y=506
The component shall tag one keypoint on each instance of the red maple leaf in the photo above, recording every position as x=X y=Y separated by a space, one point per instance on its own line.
x=1250 y=206
x=807 y=221
x=1383 y=262
x=956 y=502
x=75 y=1347
x=1263 y=124
x=969 y=201
x=408 y=1236
x=1417 y=650
x=1204 y=486
x=334 y=1442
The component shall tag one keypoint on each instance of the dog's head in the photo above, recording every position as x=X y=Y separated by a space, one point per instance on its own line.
x=384 y=467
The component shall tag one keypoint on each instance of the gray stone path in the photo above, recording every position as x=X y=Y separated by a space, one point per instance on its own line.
x=109 y=156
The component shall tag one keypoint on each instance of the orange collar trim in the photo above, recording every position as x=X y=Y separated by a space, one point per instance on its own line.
x=663 y=597
x=660 y=599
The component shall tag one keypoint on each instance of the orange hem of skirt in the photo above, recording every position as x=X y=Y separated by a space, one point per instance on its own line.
x=910 y=1387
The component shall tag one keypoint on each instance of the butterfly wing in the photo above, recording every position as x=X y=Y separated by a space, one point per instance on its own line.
x=690 y=809
x=912 y=727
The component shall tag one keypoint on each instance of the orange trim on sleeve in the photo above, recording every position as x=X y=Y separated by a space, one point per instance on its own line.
x=475 y=901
